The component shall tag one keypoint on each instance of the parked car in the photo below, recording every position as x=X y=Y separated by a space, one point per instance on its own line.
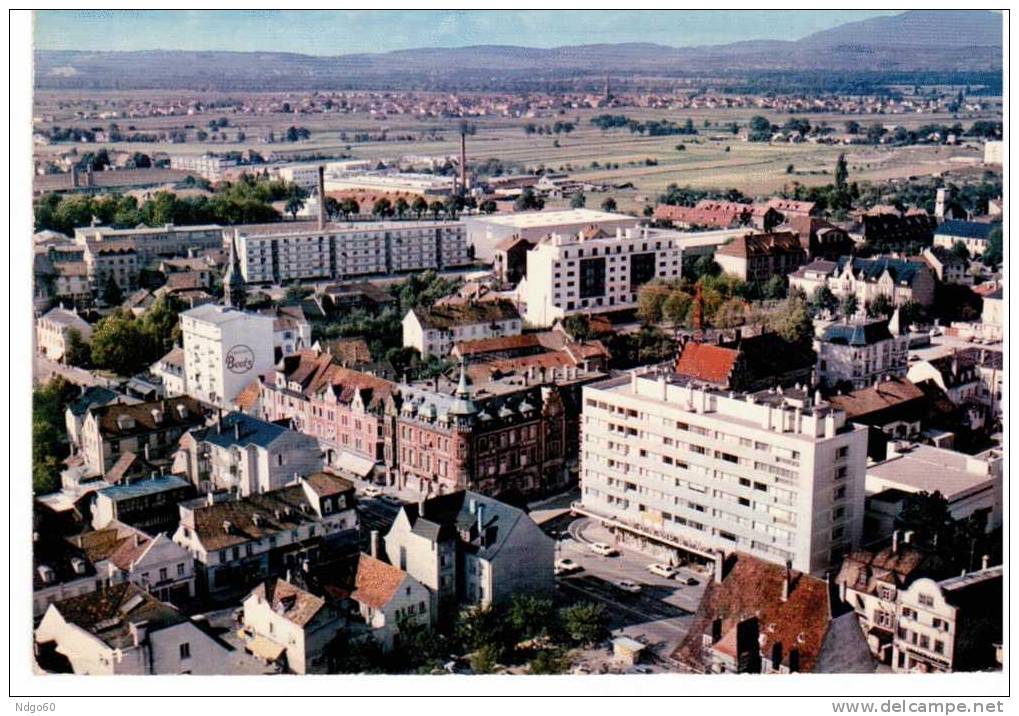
x=566 y=566
x=662 y=570
x=691 y=582
x=372 y=491
x=627 y=586
x=605 y=550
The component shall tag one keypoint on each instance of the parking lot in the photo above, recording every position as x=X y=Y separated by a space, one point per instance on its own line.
x=659 y=615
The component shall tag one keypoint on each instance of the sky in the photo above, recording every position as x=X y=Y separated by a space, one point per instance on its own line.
x=343 y=32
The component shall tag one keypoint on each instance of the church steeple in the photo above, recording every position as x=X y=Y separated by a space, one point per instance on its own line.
x=235 y=292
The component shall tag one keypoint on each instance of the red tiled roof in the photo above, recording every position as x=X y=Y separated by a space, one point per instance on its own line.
x=290 y=602
x=710 y=363
x=376 y=582
x=720 y=214
x=762 y=245
x=788 y=206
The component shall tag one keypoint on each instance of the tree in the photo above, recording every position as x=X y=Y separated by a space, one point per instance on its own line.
x=579 y=200
x=161 y=324
x=119 y=344
x=488 y=206
x=880 y=307
x=382 y=207
x=294 y=205
x=77 y=351
x=650 y=299
x=585 y=623
x=823 y=300
x=676 y=307
x=852 y=127
x=875 y=132
x=841 y=175
x=529 y=201
x=549 y=661
x=578 y=326
x=792 y=322
x=609 y=205
x=436 y=207
x=485 y=659
x=486 y=628
x=360 y=656
x=960 y=250
x=532 y=617
x=760 y=129
x=401 y=207
x=332 y=207
x=706 y=266
x=48 y=433
x=993 y=255
x=775 y=288
x=848 y=306
x=730 y=314
x=111 y=294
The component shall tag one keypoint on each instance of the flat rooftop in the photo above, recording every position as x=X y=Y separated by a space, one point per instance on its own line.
x=537 y=219
x=302 y=228
x=928 y=469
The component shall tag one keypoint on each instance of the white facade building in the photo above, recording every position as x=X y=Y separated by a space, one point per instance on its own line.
x=224 y=350
x=205 y=165
x=679 y=468
x=485 y=232
x=275 y=253
x=53 y=330
x=593 y=271
x=436 y=330
x=861 y=353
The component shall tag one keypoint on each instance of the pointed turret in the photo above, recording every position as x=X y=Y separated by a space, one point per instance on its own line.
x=235 y=292
x=463 y=406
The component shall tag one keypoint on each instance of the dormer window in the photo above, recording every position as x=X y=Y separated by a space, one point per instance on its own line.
x=46 y=574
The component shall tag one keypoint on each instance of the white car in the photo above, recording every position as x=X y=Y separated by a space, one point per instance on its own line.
x=627 y=586
x=566 y=566
x=372 y=491
x=605 y=550
x=662 y=570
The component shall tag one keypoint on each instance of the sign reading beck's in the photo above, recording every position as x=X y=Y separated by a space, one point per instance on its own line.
x=240 y=359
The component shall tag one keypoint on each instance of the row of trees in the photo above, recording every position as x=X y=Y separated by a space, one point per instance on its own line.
x=529 y=630
x=653 y=128
x=125 y=344
x=245 y=201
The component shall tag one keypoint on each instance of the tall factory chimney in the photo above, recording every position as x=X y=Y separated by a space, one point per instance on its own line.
x=463 y=159
x=321 y=197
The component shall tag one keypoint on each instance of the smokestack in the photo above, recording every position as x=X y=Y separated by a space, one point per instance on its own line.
x=787 y=582
x=463 y=160
x=321 y=197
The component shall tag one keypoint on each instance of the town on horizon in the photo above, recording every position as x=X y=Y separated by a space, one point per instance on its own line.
x=492 y=347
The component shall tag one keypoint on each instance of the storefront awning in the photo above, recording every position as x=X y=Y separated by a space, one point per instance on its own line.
x=264 y=648
x=360 y=466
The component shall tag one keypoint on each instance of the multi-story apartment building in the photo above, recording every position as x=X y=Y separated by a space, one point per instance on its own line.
x=53 y=331
x=115 y=259
x=170 y=370
x=150 y=429
x=974 y=235
x=676 y=467
x=467 y=548
x=238 y=542
x=148 y=504
x=755 y=258
x=206 y=165
x=512 y=440
x=274 y=253
x=151 y=243
x=434 y=331
x=246 y=455
x=861 y=353
x=593 y=271
x=343 y=409
x=947 y=266
x=951 y=625
x=224 y=350
x=899 y=280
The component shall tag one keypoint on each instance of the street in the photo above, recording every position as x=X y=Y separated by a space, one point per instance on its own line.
x=44 y=369
x=659 y=615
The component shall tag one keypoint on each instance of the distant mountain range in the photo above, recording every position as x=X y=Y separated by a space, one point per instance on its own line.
x=921 y=41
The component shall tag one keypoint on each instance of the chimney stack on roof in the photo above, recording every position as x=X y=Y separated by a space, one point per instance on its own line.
x=321 y=197
x=375 y=544
x=787 y=581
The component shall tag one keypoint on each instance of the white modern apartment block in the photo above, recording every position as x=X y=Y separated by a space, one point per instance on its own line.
x=274 y=253
x=593 y=271
x=224 y=350
x=485 y=232
x=680 y=470
x=155 y=241
x=206 y=165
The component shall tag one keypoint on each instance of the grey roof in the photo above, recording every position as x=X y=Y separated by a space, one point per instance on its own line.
x=143 y=487
x=252 y=431
x=91 y=398
x=965 y=229
x=864 y=333
x=902 y=272
x=456 y=516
